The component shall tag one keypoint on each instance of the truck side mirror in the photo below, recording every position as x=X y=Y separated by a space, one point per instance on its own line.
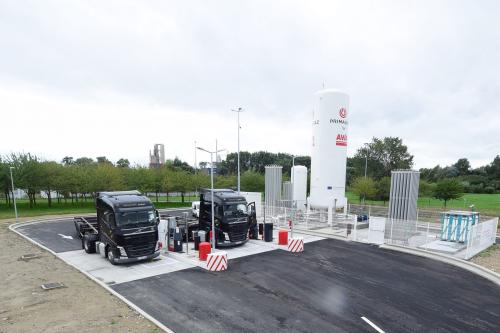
x=157 y=217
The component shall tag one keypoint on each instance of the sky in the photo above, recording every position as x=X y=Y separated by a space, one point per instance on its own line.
x=112 y=78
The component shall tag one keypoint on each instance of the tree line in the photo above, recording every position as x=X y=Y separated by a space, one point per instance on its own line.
x=79 y=179
x=368 y=174
x=378 y=158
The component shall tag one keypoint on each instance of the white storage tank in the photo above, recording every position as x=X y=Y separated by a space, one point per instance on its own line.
x=299 y=186
x=329 y=149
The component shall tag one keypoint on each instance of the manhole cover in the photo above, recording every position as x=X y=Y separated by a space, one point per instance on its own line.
x=52 y=285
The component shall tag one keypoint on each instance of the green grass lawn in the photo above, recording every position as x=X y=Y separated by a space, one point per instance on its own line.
x=88 y=206
x=487 y=204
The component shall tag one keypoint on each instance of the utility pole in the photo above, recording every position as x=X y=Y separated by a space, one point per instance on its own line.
x=195 y=162
x=13 y=194
x=212 y=186
x=238 y=111
x=366 y=158
x=366 y=164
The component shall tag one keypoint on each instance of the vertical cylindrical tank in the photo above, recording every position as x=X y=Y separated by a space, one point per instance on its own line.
x=329 y=149
x=299 y=184
x=272 y=188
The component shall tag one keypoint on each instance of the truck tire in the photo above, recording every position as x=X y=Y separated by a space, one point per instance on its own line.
x=88 y=242
x=111 y=256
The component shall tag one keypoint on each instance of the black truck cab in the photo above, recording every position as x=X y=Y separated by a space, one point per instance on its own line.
x=127 y=228
x=232 y=214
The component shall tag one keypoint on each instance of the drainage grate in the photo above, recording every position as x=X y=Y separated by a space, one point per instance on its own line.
x=52 y=285
x=29 y=256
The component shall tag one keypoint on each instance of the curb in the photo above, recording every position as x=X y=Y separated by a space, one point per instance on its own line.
x=464 y=264
x=13 y=228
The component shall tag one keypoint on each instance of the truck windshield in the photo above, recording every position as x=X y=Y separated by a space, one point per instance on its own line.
x=144 y=217
x=235 y=209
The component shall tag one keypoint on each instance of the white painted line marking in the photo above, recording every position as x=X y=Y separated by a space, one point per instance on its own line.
x=64 y=236
x=378 y=329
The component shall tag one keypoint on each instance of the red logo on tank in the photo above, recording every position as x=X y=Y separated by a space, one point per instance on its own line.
x=343 y=112
x=341 y=140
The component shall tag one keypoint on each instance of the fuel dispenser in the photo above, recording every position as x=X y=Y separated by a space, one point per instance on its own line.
x=174 y=237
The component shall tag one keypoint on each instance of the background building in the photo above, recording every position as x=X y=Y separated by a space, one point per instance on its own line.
x=157 y=159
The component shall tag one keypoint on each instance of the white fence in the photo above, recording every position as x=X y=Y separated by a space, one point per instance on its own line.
x=482 y=236
x=427 y=236
x=314 y=220
x=378 y=230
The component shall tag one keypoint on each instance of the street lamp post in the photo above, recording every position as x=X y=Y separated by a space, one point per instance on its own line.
x=238 y=111
x=366 y=158
x=13 y=194
x=212 y=187
x=366 y=165
x=195 y=161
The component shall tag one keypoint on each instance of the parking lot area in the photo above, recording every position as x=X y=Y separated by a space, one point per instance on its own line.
x=333 y=286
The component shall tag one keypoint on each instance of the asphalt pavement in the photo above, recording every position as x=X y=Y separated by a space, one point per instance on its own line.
x=328 y=288
x=60 y=236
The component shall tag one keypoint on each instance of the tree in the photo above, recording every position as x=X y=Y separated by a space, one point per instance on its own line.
x=84 y=161
x=139 y=178
x=252 y=181
x=105 y=177
x=425 y=190
x=493 y=169
x=364 y=188
x=68 y=160
x=181 y=181
x=27 y=170
x=462 y=166
x=123 y=163
x=167 y=182
x=177 y=164
x=201 y=180
x=157 y=178
x=102 y=160
x=383 y=156
x=225 y=181
x=50 y=174
x=383 y=189
x=448 y=189
x=5 y=183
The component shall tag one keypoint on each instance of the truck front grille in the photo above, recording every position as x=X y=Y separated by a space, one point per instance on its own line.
x=238 y=232
x=140 y=245
x=140 y=250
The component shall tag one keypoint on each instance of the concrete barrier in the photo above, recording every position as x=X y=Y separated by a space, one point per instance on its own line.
x=296 y=244
x=217 y=261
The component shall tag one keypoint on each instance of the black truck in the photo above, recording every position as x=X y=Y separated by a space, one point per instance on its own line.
x=125 y=229
x=235 y=219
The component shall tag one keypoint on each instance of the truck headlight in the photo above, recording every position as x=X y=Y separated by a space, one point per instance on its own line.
x=122 y=251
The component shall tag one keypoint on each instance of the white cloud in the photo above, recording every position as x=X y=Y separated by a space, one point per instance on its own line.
x=139 y=73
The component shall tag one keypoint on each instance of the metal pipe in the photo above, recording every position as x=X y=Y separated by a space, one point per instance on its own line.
x=212 y=196
x=212 y=186
x=187 y=231
x=239 y=110
x=13 y=194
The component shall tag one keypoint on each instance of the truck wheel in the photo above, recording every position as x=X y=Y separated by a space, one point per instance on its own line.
x=88 y=242
x=111 y=256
